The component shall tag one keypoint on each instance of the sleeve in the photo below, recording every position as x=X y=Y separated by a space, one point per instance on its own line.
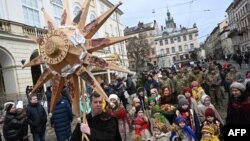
x=109 y=133
x=77 y=134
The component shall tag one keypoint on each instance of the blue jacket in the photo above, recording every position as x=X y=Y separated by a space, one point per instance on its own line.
x=61 y=119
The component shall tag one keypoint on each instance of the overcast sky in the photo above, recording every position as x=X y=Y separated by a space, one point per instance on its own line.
x=205 y=13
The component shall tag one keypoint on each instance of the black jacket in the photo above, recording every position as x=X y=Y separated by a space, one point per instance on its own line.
x=12 y=128
x=103 y=127
x=37 y=118
x=130 y=86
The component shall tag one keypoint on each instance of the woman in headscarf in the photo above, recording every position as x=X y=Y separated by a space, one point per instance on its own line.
x=238 y=111
x=119 y=112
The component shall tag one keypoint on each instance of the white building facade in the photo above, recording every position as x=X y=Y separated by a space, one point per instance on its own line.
x=174 y=46
x=19 y=18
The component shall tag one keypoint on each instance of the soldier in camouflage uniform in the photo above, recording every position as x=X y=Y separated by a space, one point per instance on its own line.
x=180 y=82
x=165 y=81
x=196 y=75
x=214 y=81
x=232 y=76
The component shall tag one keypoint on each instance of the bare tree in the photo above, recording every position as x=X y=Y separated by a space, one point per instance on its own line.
x=138 y=51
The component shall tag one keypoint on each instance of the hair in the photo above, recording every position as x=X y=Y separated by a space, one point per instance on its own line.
x=95 y=95
x=164 y=87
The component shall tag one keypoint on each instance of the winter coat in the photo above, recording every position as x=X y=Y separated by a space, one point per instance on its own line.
x=130 y=86
x=37 y=117
x=12 y=128
x=103 y=127
x=61 y=119
x=149 y=85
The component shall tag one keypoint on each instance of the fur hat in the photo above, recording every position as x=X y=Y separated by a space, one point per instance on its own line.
x=209 y=112
x=207 y=129
x=9 y=106
x=19 y=105
x=6 y=105
x=238 y=85
x=113 y=96
x=183 y=101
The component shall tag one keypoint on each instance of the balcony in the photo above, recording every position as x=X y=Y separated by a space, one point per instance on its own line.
x=20 y=29
x=233 y=33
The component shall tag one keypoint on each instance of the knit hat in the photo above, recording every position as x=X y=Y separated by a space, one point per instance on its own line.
x=187 y=89
x=113 y=96
x=180 y=119
x=180 y=96
x=195 y=84
x=19 y=105
x=209 y=112
x=207 y=129
x=151 y=99
x=155 y=109
x=183 y=101
x=238 y=85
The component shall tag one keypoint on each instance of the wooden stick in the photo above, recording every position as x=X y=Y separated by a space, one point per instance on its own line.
x=82 y=90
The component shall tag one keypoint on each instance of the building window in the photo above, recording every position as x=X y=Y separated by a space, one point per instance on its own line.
x=180 y=48
x=184 y=38
x=190 y=37
x=181 y=57
x=156 y=42
x=57 y=7
x=179 y=39
x=162 y=51
x=153 y=51
x=31 y=12
x=166 y=41
x=174 y=58
x=76 y=9
x=186 y=56
x=167 y=51
x=161 y=43
x=173 y=49
x=172 y=40
x=192 y=46
x=185 y=47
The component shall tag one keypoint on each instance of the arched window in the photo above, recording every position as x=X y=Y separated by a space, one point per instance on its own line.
x=31 y=12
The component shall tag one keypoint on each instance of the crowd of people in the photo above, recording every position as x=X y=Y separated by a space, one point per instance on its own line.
x=162 y=105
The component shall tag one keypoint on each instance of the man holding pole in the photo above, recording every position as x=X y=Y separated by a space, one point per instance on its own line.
x=99 y=126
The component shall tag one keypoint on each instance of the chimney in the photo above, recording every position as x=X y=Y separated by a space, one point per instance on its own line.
x=161 y=28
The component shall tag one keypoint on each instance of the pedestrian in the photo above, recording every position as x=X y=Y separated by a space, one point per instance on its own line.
x=119 y=112
x=22 y=116
x=48 y=94
x=130 y=87
x=238 y=111
x=37 y=118
x=12 y=128
x=99 y=126
x=62 y=118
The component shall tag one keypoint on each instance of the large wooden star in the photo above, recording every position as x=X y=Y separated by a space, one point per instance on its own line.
x=66 y=54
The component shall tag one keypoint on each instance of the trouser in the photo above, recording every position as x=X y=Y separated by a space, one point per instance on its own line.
x=215 y=94
x=39 y=136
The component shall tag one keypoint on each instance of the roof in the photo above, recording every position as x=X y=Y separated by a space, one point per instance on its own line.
x=111 y=5
x=141 y=27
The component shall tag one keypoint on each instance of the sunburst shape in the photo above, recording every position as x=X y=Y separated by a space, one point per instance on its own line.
x=66 y=53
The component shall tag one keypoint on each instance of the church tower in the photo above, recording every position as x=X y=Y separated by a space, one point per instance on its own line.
x=170 y=24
